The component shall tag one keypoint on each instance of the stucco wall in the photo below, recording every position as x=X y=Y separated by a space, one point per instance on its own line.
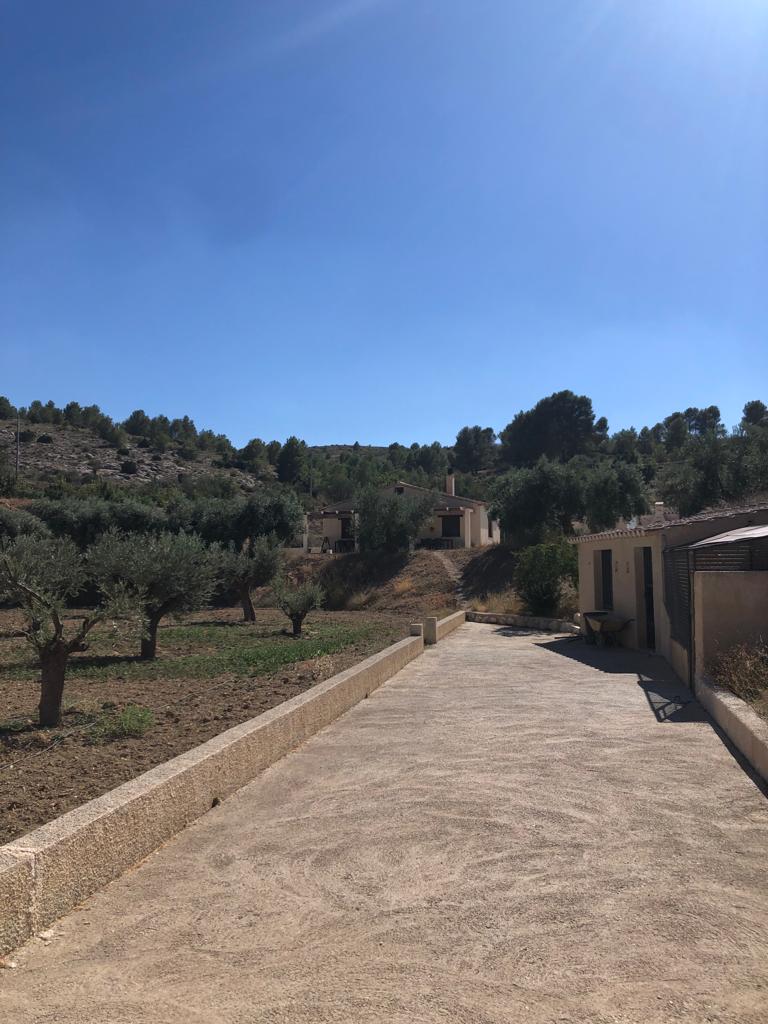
x=729 y=607
x=331 y=528
x=626 y=560
x=473 y=529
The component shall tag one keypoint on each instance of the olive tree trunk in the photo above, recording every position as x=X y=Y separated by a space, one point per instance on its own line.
x=297 y=621
x=249 y=612
x=149 y=640
x=53 y=665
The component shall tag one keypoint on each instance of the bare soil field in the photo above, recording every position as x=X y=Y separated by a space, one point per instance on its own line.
x=213 y=671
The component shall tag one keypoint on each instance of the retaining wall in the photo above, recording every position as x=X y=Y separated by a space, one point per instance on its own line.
x=524 y=622
x=48 y=872
x=743 y=726
x=436 y=629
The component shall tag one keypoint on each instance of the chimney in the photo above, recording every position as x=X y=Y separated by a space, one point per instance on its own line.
x=658 y=511
x=450 y=485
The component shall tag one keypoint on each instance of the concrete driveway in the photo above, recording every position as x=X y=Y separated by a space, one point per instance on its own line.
x=512 y=829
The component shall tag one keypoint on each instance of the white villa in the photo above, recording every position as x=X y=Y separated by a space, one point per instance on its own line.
x=455 y=523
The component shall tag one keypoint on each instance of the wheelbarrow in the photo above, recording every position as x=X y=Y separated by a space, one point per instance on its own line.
x=603 y=628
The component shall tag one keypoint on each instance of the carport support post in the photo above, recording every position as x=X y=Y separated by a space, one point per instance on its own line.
x=430 y=630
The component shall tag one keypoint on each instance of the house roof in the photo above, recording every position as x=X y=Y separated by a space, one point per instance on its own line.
x=444 y=500
x=653 y=523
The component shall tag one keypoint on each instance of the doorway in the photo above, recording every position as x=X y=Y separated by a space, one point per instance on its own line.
x=650 y=624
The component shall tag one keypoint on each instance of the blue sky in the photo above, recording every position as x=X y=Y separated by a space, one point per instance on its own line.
x=380 y=220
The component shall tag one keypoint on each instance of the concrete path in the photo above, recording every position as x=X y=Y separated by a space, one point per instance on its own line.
x=502 y=833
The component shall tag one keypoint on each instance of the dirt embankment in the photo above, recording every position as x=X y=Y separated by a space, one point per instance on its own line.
x=414 y=584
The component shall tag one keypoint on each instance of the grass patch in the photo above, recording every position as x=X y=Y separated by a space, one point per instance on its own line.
x=130 y=723
x=197 y=650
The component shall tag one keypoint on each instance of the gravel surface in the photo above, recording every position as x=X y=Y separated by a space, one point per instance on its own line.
x=514 y=828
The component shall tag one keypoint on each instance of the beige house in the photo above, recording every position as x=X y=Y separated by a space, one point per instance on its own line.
x=688 y=587
x=455 y=522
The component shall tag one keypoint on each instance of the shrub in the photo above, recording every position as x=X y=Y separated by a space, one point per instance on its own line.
x=297 y=601
x=743 y=669
x=45 y=439
x=123 y=452
x=541 y=572
x=25 y=436
x=157 y=458
x=129 y=467
x=14 y=522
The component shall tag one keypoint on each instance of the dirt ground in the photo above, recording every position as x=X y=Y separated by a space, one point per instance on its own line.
x=513 y=828
x=199 y=687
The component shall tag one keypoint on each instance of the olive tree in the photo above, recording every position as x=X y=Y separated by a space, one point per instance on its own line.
x=41 y=574
x=160 y=574
x=297 y=600
x=391 y=522
x=253 y=565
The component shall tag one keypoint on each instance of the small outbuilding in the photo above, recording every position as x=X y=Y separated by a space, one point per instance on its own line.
x=686 y=587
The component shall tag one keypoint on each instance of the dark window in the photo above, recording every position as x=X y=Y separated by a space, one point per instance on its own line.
x=490 y=528
x=606 y=579
x=399 y=490
x=346 y=529
x=451 y=526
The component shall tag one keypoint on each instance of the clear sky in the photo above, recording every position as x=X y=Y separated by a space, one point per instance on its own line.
x=381 y=220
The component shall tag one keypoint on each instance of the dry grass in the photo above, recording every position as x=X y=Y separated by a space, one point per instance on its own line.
x=503 y=602
x=743 y=669
x=403 y=586
x=360 y=599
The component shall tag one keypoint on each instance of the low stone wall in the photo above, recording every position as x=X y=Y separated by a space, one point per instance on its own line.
x=436 y=629
x=525 y=622
x=48 y=872
x=743 y=726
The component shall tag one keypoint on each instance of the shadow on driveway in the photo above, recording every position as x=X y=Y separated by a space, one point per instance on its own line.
x=668 y=698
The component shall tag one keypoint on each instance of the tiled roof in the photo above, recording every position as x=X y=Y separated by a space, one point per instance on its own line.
x=655 y=522
x=443 y=499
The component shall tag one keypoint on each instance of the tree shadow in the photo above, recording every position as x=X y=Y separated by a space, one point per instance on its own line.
x=219 y=623
x=103 y=660
x=490 y=572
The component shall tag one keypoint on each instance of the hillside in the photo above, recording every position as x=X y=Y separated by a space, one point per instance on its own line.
x=49 y=451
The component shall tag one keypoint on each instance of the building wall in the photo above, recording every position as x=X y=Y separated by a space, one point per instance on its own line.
x=729 y=608
x=628 y=601
x=332 y=528
x=433 y=529
x=473 y=528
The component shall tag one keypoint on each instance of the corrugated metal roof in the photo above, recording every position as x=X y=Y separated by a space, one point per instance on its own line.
x=733 y=536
